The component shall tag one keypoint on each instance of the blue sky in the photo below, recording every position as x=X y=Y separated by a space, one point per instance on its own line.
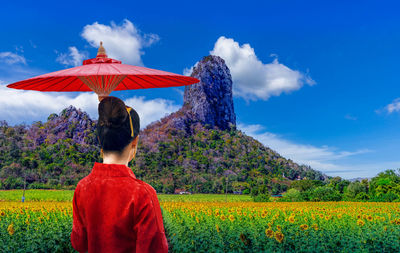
x=316 y=81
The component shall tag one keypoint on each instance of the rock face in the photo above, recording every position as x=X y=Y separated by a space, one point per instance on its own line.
x=210 y=101
x=71 y=123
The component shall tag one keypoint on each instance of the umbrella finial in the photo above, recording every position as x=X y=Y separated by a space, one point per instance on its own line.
x=101 y=53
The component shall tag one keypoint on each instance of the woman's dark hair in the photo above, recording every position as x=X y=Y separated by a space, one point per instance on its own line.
x=114 y=125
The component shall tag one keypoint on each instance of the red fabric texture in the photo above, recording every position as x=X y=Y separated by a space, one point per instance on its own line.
x=113 y=211
x=136 y=78
x=100 y=60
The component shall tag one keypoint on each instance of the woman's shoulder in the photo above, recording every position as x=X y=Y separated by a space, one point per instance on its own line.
x=145 y=186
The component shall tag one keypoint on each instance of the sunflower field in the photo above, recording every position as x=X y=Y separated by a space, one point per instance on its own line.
x=282 y=227
x=35 y=226
x=201 y=224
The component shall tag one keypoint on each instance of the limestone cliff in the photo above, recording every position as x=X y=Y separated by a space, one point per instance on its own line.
x=210 y=100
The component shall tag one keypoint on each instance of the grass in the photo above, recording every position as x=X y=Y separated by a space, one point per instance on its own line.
x=66 y=195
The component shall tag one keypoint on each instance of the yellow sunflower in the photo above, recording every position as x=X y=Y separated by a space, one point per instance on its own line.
x=304 y=227
x=10 y=229
x=279 y=236
x=269 y=233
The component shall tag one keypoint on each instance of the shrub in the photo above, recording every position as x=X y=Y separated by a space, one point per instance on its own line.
x=260 y=194
x=264 y=197
x=292 y=195
x=325 y=193
x=362 y=196
x=12 y=183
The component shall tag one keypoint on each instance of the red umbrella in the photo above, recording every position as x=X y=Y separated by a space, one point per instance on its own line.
x=103 y=75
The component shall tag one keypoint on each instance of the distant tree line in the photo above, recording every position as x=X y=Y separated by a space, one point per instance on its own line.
x=385 y=187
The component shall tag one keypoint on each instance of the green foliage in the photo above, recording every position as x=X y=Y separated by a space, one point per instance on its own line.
x=305 y=184
x=338 y=184
x=195 y=162
x=355 y=189
x=385 y=186
x=12 y=183
x=170 y=159
x=260 y=193
x=292 y=195
x=362 y=196
x=324 y=193
x=246 y=191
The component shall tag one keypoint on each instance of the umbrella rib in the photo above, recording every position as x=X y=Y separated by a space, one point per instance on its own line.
x=135 y=82
x=32 y=82
x=92 y=80
x=170 y=78
x=116 y=81
x=52 y=84
x=105 y=80
x=153 y=77
x=111 y=80
x=82 y=83
x=138 y=76
x=116 y=69
x=179 y=78
x=124 y=85
x=67 y=84
x=88 y=82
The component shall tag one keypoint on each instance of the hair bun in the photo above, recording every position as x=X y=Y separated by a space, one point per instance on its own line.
x=116 y=126
x=112 y=112
x=106 y=123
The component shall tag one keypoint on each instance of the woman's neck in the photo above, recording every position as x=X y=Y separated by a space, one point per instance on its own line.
x=115 y=159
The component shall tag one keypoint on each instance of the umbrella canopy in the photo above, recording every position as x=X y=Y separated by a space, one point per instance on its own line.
x=103 y=75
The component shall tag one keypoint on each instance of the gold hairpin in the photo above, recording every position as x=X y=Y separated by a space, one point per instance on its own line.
x=130 y=119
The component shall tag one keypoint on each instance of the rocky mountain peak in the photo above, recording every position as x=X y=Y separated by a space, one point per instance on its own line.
x=210 y=101
x=71 y=123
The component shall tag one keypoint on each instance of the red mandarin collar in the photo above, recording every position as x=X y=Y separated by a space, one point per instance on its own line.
x=112 y=170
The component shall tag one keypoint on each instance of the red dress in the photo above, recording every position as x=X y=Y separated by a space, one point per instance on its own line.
x=115 y=212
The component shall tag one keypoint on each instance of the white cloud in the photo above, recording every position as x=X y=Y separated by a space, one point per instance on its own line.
x=253 y=79
x=73 y=57
x=151 y=110
x=325 y=159
x=188 y=71
x=11 y=58
x=122 y=42
x=17 y=106
x=394 y=106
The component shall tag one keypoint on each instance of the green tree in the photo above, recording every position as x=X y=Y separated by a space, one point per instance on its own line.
x=292 y=195
x=324 y=193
